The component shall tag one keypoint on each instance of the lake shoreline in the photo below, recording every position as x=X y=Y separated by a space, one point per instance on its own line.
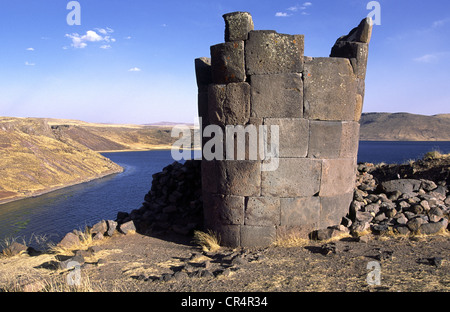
x=59 y=187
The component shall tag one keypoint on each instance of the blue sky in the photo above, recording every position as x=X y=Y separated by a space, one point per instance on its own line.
x=133 y=61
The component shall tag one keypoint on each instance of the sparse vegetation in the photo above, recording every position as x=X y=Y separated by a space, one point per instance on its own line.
x=209 y=242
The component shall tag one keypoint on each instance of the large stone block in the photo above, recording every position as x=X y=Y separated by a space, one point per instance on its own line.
x=330 y=88
x=262 y=211
x=349 y=139
x=203 y=73
x=202 y=101
x=229 y=235
x=324 y=139
x=300 y=212
x=333 y=139
x=293 y=135
x=239 y=177
x=338 y=176
x=357 y=52
x=362 y=33
x=210 y=172
x=277 y=95
x=227 y=62
x=223 y=209
x=257 y=236
x=229 y=104
x=237 y=25
x=334 y=208
x=294 y=177
x=267 y=52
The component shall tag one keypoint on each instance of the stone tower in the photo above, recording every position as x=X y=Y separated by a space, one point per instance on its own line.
x=262 y=78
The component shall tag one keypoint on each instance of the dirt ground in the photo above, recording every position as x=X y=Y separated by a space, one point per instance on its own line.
x=137 y=263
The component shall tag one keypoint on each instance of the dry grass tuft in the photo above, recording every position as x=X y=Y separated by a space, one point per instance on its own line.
x=292 y=239
x=209 y=242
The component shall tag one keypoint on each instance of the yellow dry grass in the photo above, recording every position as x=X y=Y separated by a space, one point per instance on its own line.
x=209 y=242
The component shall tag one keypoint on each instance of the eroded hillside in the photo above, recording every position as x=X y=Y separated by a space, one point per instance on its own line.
x=34 y=158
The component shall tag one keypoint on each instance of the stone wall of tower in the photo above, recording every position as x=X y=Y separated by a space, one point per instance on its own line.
x=262 y=78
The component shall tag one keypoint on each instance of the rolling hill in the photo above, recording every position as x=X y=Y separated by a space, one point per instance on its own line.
x=404 y=127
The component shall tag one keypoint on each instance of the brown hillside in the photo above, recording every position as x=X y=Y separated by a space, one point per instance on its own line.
x=36 y=158
x=404 y=127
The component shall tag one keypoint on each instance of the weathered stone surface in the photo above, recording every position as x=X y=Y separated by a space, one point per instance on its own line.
x=293 y=135
x=324 y=139
x=225 y=209
x=128 y=227
x=112 y=225
x=330 y=88
x=227 y=62
x=203 y=73
x=210 y=172
x=202 y=106
x=300 y=212
x=257 y=236
x=401 y=185
x=229 y=104
x=277 y=95
x=295 y=177
x=237 y=25
x=239 y=177
x=229 y=234
x=69 y=240
x=357 y=52
x=268 y=52
x=334 y=208
x=433 y=227
x=262 y=211
x=349 y=139
x=338 y=176
x=14 y=249
x=362 y=33
x=99 y=227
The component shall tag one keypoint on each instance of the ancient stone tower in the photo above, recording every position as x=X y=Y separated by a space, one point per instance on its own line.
x=262 y=78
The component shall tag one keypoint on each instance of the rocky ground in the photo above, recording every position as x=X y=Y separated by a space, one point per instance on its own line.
x=394 y=238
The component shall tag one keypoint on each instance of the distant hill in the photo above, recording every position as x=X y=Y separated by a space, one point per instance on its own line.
x=404 y=127
x=38 y=155
x=34 y=159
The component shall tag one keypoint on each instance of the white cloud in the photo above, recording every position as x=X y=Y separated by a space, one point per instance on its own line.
x=105 y=31
x=441 y=22
x=295 y=8
x=281 y=14
x=127 y=38
x=431 y=58
x=105 y=46
x=80 y=42
x=30 y=49
x=29 y=64
x=134 y=69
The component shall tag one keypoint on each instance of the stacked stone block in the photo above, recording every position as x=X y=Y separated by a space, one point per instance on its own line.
x=262 y=78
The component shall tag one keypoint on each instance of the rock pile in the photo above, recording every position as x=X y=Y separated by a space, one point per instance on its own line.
x=174 y=203
x=400 y=206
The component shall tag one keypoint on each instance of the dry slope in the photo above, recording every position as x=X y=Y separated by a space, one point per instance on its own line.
x=404 y=127
x=34 y=158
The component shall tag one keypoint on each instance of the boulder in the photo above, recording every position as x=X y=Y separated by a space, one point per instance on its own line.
x=69 y=240
x=127 y=228
x=401 y=185
x=433 y=227
x=14 y=249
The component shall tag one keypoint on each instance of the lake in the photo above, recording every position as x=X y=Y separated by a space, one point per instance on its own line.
x=56 y=213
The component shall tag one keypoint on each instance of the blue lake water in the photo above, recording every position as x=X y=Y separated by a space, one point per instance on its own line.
x=59 y=212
